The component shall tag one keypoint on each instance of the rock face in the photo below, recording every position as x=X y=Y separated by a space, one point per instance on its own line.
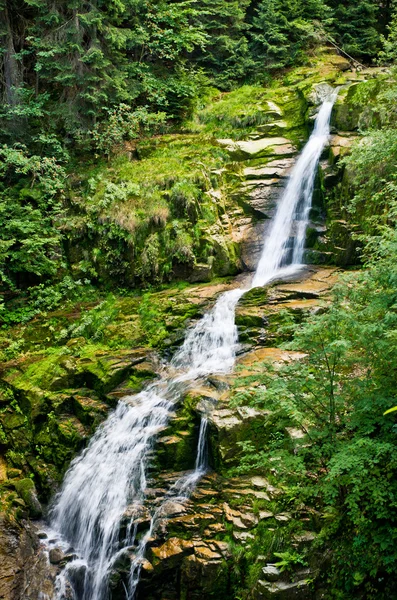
x=24 y=569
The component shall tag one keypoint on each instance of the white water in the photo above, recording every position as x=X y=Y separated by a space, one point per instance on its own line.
x=180 y=491
x=278 y=259
x=110 y=474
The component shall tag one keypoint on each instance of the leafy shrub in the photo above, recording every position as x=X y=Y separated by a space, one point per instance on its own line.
x=125 y=124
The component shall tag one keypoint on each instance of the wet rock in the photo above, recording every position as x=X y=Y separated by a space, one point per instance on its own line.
x=27 y=491
x=137 y=514
x=220 y=383
x=271 y=573
x=170 y=553
x=280 y=590
x=320 y=92
x=171 y=509
x=55 y=556
x=24 y=569
x=204 y=552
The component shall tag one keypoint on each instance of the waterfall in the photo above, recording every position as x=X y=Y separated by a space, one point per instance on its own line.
x=110 y=474
x=181 y=490
x=294 y=207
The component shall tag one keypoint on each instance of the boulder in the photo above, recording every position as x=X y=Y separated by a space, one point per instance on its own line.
x=27 y=491
x=264 y=147
x=170 y=553
x=276 y=168
x=230 y=426
x=201 y=272
x=278 y=146
x=280 y=590
x=55 y=556
x=320 y=92
x=271 y=573
x=25 y=572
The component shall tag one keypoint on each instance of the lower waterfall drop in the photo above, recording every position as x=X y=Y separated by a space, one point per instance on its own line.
x=110 y=474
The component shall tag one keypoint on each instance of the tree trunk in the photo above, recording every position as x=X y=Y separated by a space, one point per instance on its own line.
x=11 y=67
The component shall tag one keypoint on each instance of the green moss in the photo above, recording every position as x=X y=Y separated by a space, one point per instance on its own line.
x=27 y=491
x=255 y=297
x=356 y=106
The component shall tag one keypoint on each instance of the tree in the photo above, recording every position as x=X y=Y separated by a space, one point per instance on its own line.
x=282 y=31
x=357 y=28
x=388 y=53
x=30 y=241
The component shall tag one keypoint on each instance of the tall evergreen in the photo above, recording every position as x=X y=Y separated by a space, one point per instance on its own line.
x=357 y=26
x=282 y=31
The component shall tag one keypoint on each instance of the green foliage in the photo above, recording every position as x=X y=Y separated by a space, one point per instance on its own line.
x=29 y=207
x=149 y=312
x=124 y=124
x=337 y=395
x=235 y=113
x=388 y=53
x=147 y=220
x=356 y=25
x=282 y=32
x=371 y=166
x=289 y=560
x=93 y=323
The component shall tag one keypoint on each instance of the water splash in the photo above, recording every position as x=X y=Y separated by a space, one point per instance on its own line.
x=110 y=474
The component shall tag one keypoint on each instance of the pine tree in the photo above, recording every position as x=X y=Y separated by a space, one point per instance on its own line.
x=225 y=56
x=388 y=54
x=357 y=26
x=282 y=31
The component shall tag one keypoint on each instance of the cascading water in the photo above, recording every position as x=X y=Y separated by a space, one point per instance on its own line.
x=110 y=474
x=181 y=490
x=277 y=259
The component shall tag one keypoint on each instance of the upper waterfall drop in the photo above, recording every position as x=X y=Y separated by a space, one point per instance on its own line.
x=294 y=207
x=110 y=474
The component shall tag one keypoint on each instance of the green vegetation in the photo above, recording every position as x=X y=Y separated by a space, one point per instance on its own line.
x=339 y=396
x=116 y=180
x=78 y=79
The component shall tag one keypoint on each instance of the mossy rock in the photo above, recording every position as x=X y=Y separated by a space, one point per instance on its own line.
x=249 y=317
x=353 y=108
x=27 y=491
x=257 y=296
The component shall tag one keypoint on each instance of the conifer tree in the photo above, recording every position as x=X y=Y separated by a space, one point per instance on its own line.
x=357 y=26
x=282 y=31
x=388 y=54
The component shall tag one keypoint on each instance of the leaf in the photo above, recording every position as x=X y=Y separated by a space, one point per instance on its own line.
x=390 y=410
